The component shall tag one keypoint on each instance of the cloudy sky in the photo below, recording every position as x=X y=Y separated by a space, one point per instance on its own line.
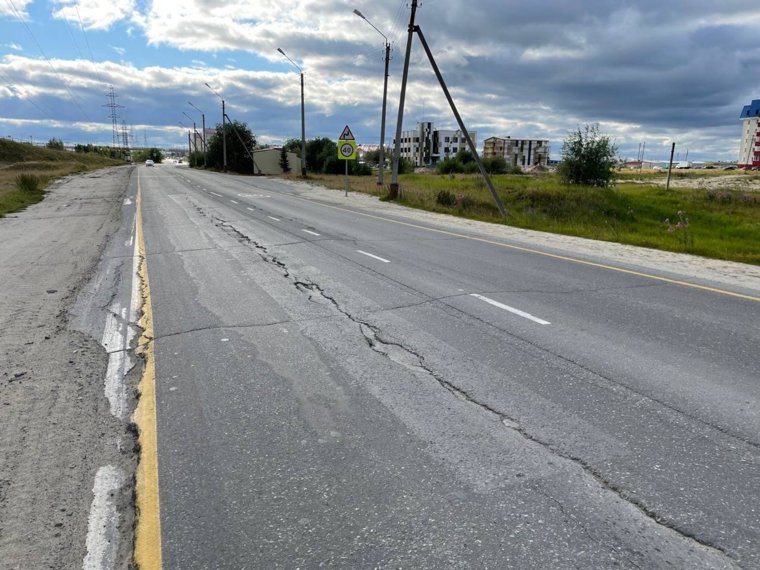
x=648 y=71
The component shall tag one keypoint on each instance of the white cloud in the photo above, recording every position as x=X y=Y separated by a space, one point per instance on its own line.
x=94 y=14
x=656 y=70
x=15 y=8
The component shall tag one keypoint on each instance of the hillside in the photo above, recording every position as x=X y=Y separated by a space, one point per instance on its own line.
x=37 y=167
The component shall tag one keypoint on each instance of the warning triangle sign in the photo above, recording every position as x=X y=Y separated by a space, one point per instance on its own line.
x=346 y=135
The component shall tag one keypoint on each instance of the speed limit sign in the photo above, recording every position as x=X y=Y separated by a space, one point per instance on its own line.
x=347 y=150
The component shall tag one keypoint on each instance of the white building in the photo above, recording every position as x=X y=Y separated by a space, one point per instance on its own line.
x=425 y=146
x=518 y=152
x=749 y=150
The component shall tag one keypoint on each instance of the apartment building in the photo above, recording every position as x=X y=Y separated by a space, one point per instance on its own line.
x=518 y=152
x=749 y=149
x=425 y=145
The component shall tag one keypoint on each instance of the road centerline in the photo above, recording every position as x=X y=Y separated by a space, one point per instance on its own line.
x=512 y=310
x=310 y=232
x=372 y=256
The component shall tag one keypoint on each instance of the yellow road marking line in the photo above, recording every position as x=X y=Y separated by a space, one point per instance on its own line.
x=547 y=254
x=148 y=528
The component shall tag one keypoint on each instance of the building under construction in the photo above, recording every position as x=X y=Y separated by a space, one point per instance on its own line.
x=518 y=152
x=749 y=151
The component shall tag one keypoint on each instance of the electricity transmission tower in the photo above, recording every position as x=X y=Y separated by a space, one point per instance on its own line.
x=114 y=114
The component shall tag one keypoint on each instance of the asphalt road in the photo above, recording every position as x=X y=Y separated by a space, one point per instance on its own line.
x=352 y=390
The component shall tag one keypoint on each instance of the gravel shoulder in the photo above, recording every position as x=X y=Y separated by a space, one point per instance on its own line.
x=56 y=428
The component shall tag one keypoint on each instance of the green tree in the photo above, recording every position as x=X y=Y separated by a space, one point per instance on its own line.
x=284 y=162
x=56 y=144
x=496 y=165
x=464 y=156
x=154 y=154
x=293 y=145
x=322 y=156
x=588 y=158
x=449 y=166
x=240 y=145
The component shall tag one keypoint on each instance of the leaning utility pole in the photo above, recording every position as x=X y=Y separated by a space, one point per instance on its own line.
x=393 y=193
x=397 y=148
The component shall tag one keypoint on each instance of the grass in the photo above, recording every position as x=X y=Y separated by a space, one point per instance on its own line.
x=26 y=170
x=720 y=224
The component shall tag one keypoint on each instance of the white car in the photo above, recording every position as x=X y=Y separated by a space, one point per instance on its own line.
x=149 y=162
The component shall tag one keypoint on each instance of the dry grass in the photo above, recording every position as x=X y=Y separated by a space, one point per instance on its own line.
x=46 y=164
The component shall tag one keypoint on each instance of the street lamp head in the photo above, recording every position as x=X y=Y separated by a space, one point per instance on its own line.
x=363 y=17
x=282 y=52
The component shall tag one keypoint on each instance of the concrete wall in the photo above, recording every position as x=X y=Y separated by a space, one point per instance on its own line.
x=268 y=161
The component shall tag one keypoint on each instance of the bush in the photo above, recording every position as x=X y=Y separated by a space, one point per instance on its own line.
x=446 y=198
x=405 y=166
x=588 y=158
x=359 y=168
x=196 y=159
x=55 y=144
x=449 y=166
x=28 y=183
x=496 y=165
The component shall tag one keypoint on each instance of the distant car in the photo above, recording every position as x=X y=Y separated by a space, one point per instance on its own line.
x=149 y=162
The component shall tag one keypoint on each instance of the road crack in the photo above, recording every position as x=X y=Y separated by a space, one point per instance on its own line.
x=408 y=357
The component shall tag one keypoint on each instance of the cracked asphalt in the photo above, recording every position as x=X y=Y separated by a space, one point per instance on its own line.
x=340 y=385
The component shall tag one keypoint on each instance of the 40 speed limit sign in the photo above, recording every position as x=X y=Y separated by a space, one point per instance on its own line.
x=347 y=150
x=346 y=145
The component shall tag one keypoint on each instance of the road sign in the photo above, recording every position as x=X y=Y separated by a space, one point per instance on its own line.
x=347 y=149
x=346 y=135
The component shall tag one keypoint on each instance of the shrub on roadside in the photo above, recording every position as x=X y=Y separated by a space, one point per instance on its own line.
x=28 y=183
x=446 y=198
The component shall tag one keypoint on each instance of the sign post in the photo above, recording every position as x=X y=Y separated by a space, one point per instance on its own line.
x=346 y=149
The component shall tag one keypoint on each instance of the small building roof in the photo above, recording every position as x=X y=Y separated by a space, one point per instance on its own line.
x=751 y=110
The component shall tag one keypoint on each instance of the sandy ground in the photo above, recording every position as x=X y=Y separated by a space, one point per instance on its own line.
x=743 y=277
x=740 y=182
x=56 y=429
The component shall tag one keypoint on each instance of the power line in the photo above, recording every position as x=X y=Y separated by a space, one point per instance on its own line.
x=50 y=63
x=81 y=27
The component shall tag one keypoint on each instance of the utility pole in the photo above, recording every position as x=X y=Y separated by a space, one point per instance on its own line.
x=393 y=192
x=203 y=137
x=670 y=166
x=224 y=128
x=397 y=148
x=385 y=98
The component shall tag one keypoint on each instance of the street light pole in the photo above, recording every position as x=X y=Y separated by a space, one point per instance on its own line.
x=224 y=127
x=385 y=98
x=303 y=116
x=195 y=132
x=203 y=134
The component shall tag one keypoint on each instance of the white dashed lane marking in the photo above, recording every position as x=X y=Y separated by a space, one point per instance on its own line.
x=512 y=310
x=310 y=232
x=373 y=256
